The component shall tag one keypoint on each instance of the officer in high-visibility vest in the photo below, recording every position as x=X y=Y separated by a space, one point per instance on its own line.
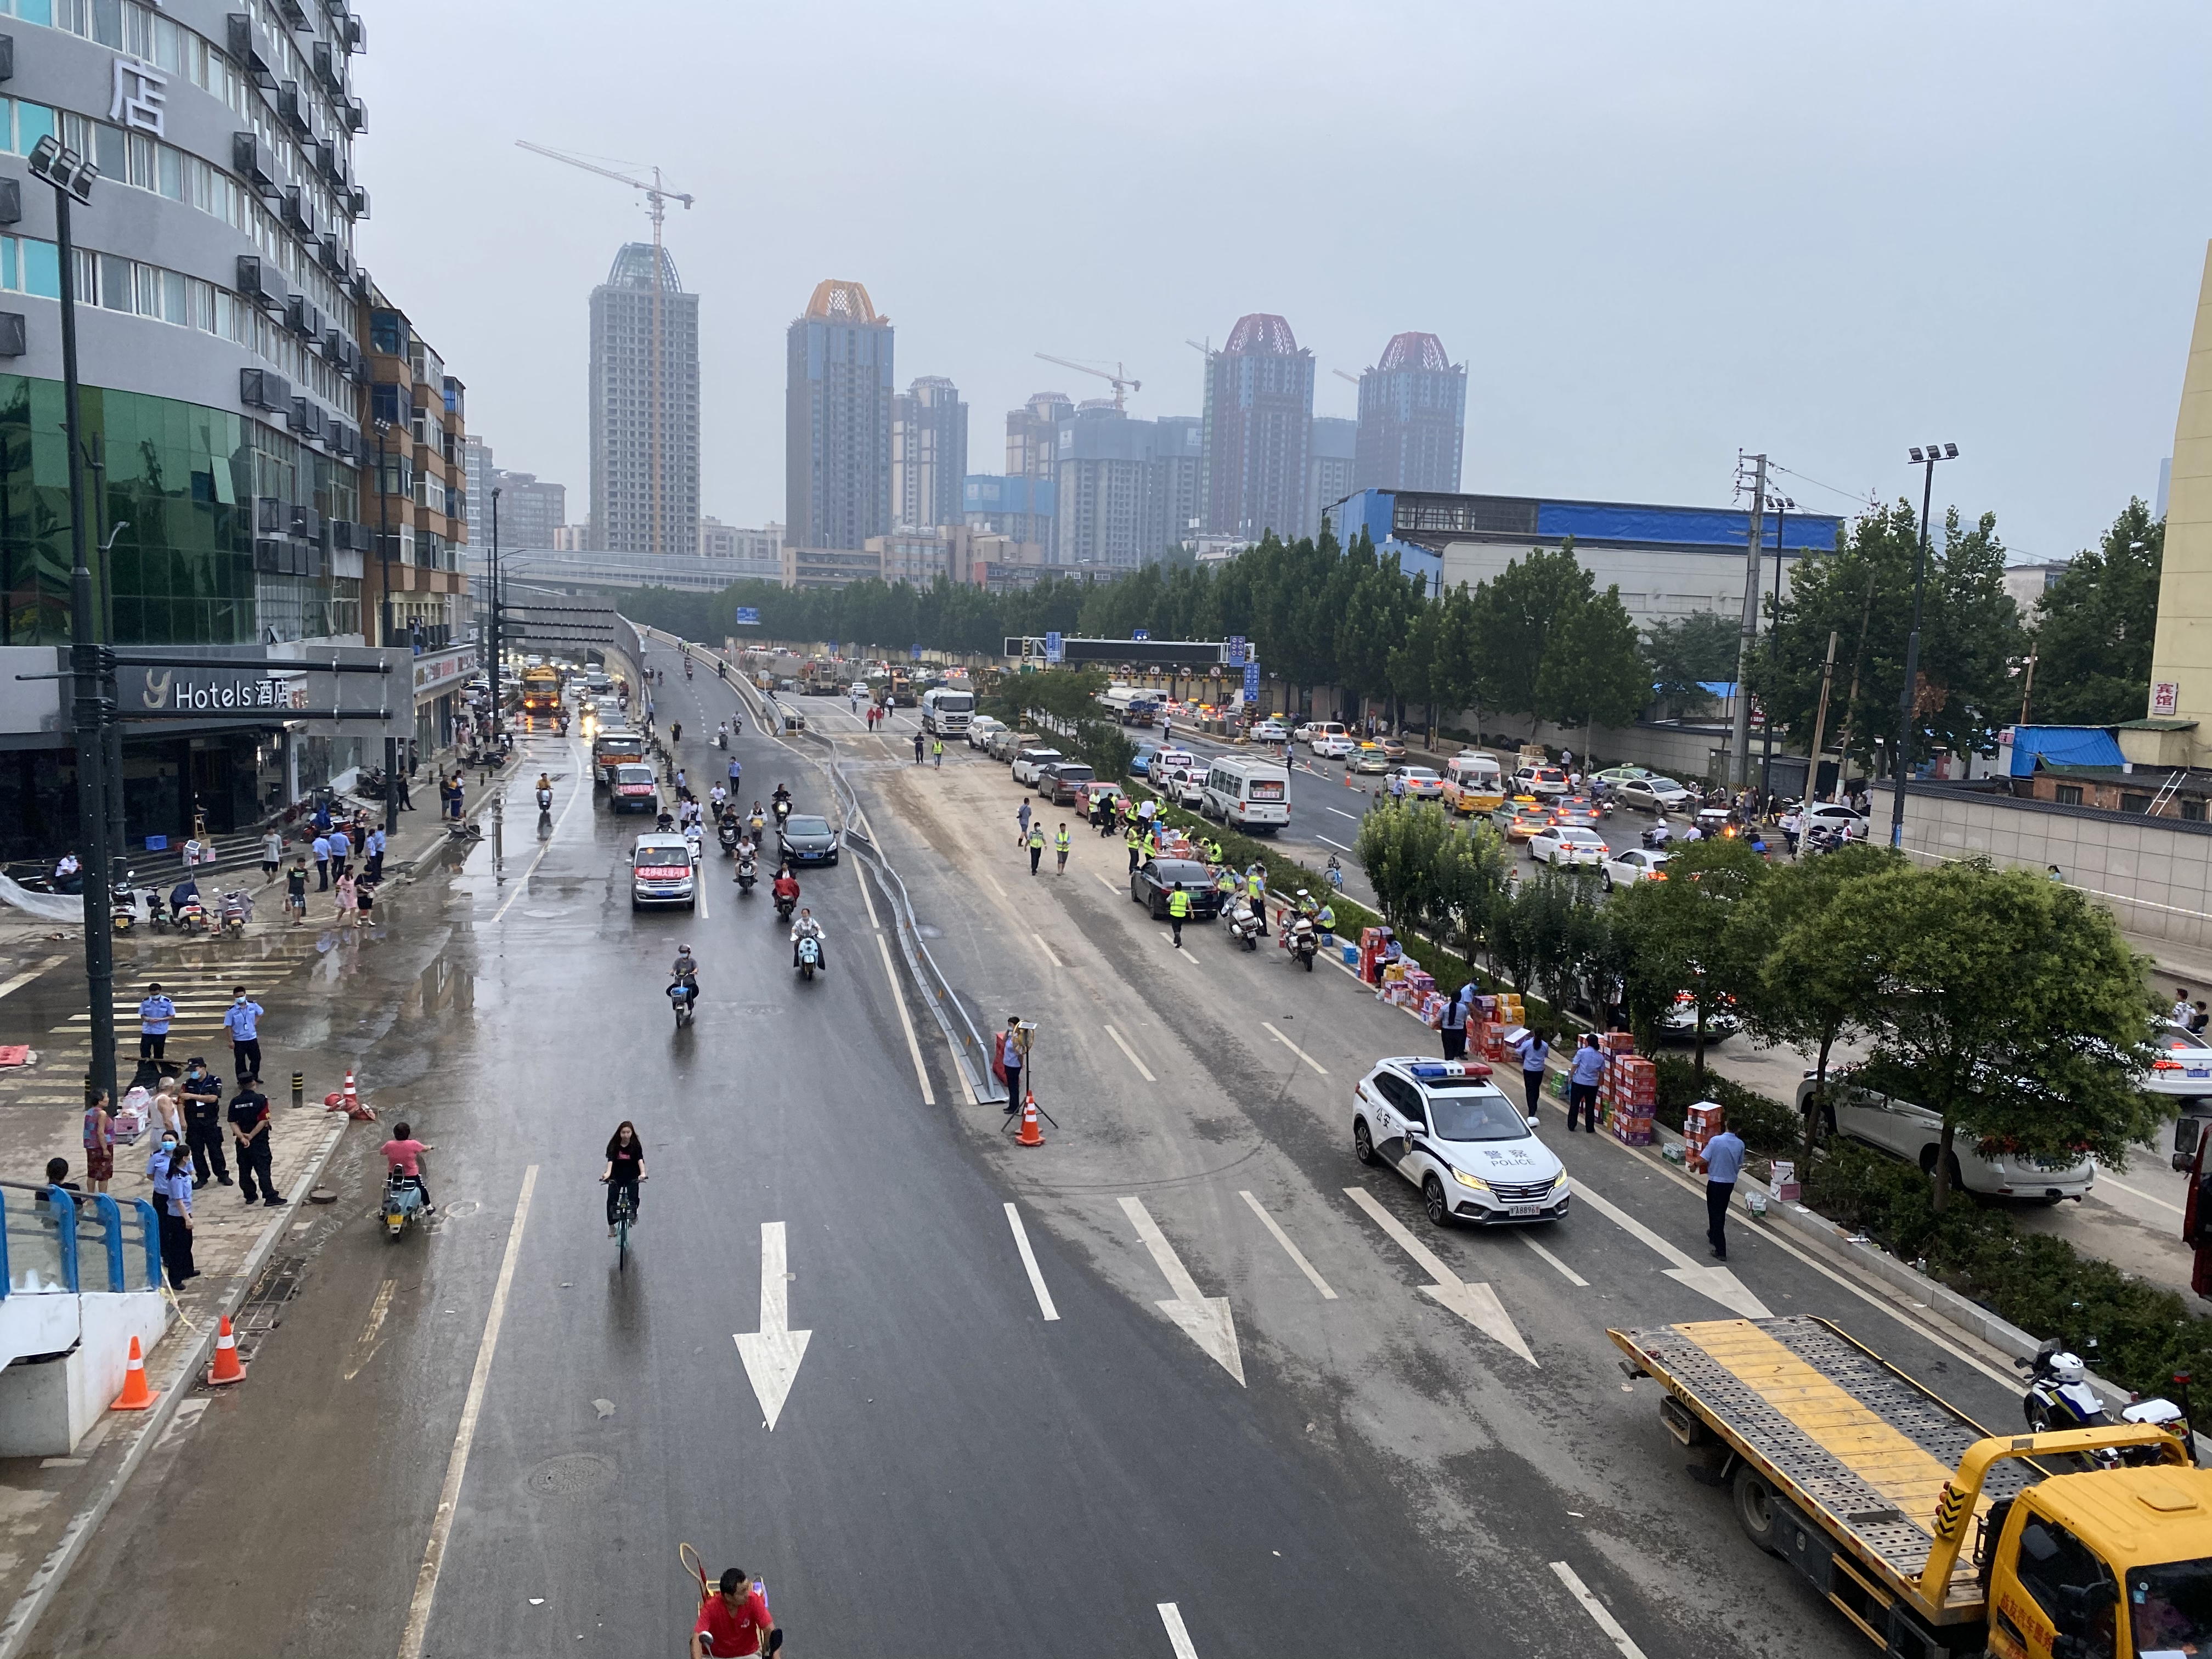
x=1036 y=845
x=1326 y=920
x=1147 y=845
x=1129 y=834
x=1227 y=886
x=1059 y=846
x=1178 y=912
x=1255 y=889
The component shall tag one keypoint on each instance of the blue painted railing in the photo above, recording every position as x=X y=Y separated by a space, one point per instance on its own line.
x=54 y=1242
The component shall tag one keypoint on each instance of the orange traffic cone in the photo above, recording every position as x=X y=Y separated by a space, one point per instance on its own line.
x=227 y=1367
x=1031 y=1135
x=352 y=1095
x=136 y=1395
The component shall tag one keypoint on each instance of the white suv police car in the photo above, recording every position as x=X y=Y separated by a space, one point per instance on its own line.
x=1446 y=1127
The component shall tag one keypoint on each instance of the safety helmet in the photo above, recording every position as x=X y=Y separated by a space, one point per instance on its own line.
x=2066 y=1367
x=685 y=951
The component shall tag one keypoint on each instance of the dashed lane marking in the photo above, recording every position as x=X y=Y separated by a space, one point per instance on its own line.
x=1029 y=1263
x=1294 y=1048
x=1143 y=1070
x=1289 y=1248
x=1339 y=845
x=1178 y=1638
x=1596 y=1609
x=1571 y=1275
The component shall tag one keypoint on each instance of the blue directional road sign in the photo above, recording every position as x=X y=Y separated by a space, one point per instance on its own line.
x=748 y=615
x=914 y=652
x=1251 y=682
x=1052 y=648
x=1235 y=650
x=1141 y=633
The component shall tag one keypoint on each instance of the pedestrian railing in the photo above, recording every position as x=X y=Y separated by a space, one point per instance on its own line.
x=54 y=1242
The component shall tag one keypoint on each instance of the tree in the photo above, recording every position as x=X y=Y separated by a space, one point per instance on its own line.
x=1970 y=636
x=2009 y=1004
x=1593 y=669
x=1546 y=933
x=1472 y=880
x=1676 y=939
x=2094 y=628
x=1513 y=615
x=1806 y=992
x=1402 y=847
x=1686 y=651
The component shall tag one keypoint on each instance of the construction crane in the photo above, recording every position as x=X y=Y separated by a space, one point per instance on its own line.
x=1341 y=375
x=1122 y=383
x=657 y=197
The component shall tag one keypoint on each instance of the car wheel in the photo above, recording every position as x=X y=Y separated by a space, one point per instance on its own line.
x=1757 y=1509
x=1362 y=1141
x=1433 y=1196
x=1605 y=880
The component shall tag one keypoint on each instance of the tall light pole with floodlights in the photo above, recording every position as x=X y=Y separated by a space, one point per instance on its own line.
x=1908 y=700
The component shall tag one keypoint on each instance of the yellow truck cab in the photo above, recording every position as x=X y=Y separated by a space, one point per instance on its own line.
x=1932 y=1535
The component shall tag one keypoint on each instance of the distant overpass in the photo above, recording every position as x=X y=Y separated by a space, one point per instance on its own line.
x=578 y=573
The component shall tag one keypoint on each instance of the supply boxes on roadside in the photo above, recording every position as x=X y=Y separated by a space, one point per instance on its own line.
x=1628 y=1093
x=1699 y=1124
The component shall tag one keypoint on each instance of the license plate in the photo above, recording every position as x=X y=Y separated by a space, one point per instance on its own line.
x=1524 y=1209
x=2200 y=1071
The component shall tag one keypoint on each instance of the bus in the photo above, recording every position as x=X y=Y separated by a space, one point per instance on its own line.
x=945 y=711
x=1246 y=793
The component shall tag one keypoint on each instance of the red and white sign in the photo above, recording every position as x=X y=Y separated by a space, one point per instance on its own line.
x=663 y=873
x=2164 y=699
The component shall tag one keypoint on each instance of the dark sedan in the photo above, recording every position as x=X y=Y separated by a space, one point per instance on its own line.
x=807 y=840
x=1059 y=783
x=1158 y=877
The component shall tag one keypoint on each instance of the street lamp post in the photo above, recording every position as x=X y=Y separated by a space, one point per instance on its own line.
x=491 y=626
x=384 y=624
x=1908 y=700
x=71 y=176
x=1783 y=507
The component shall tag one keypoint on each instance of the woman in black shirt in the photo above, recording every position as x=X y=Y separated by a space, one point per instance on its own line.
x=625 y=1168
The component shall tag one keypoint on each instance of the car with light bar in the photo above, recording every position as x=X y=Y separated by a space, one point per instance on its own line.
x=1521 y=820
x=661 y=873
x=1367 y=759
x=1448 y=1130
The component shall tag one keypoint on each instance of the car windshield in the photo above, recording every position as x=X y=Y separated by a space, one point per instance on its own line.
x=1170 y=870
x=1072 y=773
x=633 y=775
x=660 y=852
x=1459 y=1114
x=1417 y=774
x=796 y=825
x=2171 y=1607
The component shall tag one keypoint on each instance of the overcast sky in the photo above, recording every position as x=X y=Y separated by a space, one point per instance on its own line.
x=1655 y=235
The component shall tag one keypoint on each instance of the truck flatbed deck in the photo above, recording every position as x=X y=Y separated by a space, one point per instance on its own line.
x=1840 y=1429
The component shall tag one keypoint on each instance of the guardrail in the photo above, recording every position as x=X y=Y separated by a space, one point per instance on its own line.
x=49 y=1241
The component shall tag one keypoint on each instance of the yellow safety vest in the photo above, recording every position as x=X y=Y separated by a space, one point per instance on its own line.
x=1148 y=846
x=1037 y=839
x=1130 y=835
x=1255 y=886
x=1060 y=840
x=1178 y=903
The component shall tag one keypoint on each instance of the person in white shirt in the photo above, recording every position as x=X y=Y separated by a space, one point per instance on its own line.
x=2179 y=1014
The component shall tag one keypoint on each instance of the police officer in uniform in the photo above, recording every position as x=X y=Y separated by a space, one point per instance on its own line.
x=202 y=1098
x=1178 y=912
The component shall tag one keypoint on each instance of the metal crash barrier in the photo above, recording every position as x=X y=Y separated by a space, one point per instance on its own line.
x=54 y=1242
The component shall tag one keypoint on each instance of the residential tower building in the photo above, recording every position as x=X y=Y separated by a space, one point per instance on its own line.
x=929 y=453
x=1329 y=468
x=1259 y=430
x=645 y=471
x=837 y=423
x=1413 y=418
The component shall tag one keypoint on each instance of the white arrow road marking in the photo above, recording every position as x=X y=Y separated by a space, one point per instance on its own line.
x=1143 y=1070
x=1596 y=1609
x=1206 y=1318
x=1714 y=1280
x=1478 y=1303
x=1178 y=1638
x=1295 y=1049
x=1289 y=1248
x=1029 y=1261
x=773 y=1352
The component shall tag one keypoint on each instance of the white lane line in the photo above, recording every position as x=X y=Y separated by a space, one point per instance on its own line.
x=1294 y=1048
x=868 y=900
x=1184 y=952
x=1178 y=1638
x=1476 y=1303
x=1339 y=845
x=583 y=790
x=1596 y=1609
x=1049 y=954
x=699 y=887
x=1572 y=1276
x=449 y=1495
x=913 y=1046
x=1030 y=1262
x=2105 y=1179
x=1341 y=813
x=994 y=880
x=1107 y=884
x=1289 y=1248
x=1714 y=1281
x=1143 y=1070
x=30 y=974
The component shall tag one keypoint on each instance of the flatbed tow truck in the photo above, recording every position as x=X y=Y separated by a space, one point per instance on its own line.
x=1932 y=1535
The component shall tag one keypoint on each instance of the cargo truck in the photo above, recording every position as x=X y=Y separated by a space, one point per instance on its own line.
x=1930 y=1534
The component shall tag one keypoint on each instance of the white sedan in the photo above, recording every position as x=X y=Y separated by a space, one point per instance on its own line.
x=1184 y=785
x=1270 y=731
x=1568 y=843
x=1421 y=783
x=1333 y=748
x=2182 y=1063
x=1625 y=869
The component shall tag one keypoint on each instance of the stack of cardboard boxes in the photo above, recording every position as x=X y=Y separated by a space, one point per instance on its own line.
x=1699 y=1124
x=1628 y=1093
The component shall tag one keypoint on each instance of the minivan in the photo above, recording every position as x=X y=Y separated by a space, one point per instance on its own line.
x=1248 y=792
x=1320 y=729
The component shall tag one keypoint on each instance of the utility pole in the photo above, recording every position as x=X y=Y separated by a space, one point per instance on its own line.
x=1820 y=722
x=492 y=626
x=111 y=737
x=1908 y=700
x=1747 y=641
x=1782 y=506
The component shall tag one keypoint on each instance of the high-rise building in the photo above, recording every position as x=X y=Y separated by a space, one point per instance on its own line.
x=1413 y=418
x=530 y=509
x=1109 y=514
x=476 y=454
x=837 y=421
x=1329 y=468
x=749 y=553
x=1032 y=435
x=1259 y=430
x=1179 y=455
x=929 y=453
x=626 y=438
x=1019 y=509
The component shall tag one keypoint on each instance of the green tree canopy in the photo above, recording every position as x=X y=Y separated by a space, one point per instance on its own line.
x=1686 y=651
x=1513 y=617
x=1593 y=672
x=2094 y=626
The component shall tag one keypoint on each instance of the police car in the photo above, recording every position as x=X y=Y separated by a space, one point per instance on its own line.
x=1445 y=1126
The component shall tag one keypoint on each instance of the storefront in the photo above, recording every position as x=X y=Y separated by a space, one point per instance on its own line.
x=439 y=677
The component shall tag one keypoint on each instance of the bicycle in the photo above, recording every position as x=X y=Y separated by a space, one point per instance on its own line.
x=625 y=1213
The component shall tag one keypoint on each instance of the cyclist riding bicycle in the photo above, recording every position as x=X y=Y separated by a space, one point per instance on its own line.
x=625 y=1168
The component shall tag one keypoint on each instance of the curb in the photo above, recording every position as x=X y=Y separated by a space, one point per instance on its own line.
x=46 y=1582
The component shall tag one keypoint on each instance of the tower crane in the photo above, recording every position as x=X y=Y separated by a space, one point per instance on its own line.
x=1122 y=383
x=1341 y=375
x=657 y=197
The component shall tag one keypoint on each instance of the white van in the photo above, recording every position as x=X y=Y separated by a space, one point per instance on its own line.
x=1248 y=793
x=1319 y=730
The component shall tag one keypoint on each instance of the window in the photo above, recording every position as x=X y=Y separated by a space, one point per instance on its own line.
x=2069 y=794
x=2053 y=1561
x=2131 y=802
x=2193 y=809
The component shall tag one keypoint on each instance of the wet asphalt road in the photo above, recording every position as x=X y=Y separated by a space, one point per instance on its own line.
x=952 y=1474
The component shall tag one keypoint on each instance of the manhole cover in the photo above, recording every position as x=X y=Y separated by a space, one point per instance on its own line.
x=565 y=1477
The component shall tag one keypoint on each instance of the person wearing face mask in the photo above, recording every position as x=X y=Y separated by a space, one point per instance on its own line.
x=242 y=1018
x=170 y=1169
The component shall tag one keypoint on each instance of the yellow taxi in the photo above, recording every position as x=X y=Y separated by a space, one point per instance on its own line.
x=1368 y=757
x=1521 y=816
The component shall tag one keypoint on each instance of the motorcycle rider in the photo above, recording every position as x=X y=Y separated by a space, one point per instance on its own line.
x=722 y=735
x=780 y=803
x=545 y=793
x=785 y=885
x=720 y=797
x=756 y=820
x=684 y=971
x=805 y=926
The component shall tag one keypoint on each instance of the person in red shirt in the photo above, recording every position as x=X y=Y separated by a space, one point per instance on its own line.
x=403 y=1155
x=734 y=1622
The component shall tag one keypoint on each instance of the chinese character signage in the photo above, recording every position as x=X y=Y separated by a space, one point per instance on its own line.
x=1235 y=650
x=1251 y=682
x=2164 y=699
x=748 y=615
x=141 y=96
x=1052 y=648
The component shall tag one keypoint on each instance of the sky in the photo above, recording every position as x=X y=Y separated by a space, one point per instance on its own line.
x=1655 y=236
